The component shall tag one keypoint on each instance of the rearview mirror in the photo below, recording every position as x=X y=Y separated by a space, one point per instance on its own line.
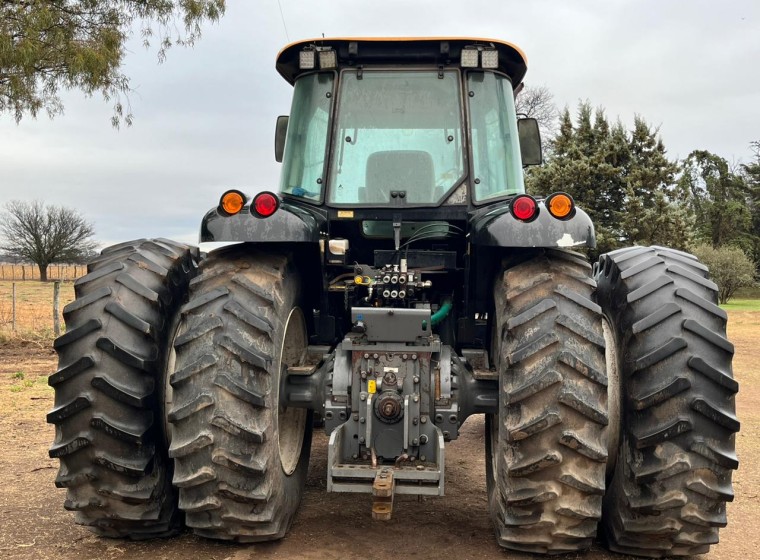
x=530 y=141
x=280 y=131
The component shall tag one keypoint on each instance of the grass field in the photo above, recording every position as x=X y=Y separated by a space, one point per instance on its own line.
x=742 y=305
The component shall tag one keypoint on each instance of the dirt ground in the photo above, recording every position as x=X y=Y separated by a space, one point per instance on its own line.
x=34 y=525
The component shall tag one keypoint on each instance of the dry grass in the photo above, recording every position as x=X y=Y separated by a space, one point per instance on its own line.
x=34 y=308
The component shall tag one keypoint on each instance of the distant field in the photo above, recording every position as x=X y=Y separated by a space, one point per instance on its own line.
x=34 y=306
x=742 y=305
x=65 y=272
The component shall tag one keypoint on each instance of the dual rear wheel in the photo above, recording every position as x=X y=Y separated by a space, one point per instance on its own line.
x=616 y=405
x=163 y=408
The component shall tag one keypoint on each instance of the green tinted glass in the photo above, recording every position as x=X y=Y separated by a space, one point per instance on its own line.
x=306 y=143
x=497 y=167
x=397 y=131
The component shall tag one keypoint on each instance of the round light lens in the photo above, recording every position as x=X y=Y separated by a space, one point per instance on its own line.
x=560 y=205
x=524 y=208
x=265 y=204
x=232 y=202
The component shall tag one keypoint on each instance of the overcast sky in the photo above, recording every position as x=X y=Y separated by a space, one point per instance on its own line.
x=204 y=119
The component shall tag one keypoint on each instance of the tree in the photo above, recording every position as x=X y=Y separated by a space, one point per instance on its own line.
x=751 y=174
x=80 y=44
x=664 y=223
x=44 y=234
x=622 y=179
x=730 y=268
x=719 y=197
x=538 y=103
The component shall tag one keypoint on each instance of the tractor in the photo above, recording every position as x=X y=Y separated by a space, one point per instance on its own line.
x=399 y=281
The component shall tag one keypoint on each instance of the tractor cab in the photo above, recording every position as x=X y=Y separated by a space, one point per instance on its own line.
x=414 y=123
x=402 y=158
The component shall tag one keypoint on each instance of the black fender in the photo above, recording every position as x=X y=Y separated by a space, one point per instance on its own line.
x=289 y=224
x=497 y=227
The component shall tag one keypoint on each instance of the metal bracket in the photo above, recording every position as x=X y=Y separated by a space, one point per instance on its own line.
x=345 y=474
x=382 y=494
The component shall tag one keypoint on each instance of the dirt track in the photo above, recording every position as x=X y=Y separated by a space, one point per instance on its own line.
x=33 y=524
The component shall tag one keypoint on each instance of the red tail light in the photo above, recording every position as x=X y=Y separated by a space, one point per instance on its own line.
x=265 y=204
x=524 y=208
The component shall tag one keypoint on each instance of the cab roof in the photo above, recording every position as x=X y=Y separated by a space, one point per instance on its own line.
x=354 y=51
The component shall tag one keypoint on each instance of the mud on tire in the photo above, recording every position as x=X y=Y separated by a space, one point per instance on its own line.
x=109 y=436
x=240 y=460
x=547 y=448
x=673 y=475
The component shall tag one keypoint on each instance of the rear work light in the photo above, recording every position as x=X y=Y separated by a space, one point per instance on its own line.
x=524 y=208
x=489 y=58
x=232 y=202
x=307 y=59
x=469 y=57
x=561 y=206
x=265 y=204
x=328 y=58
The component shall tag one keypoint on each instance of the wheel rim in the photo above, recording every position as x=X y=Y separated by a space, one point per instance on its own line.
x=168 y=395
x=613 y=395
x=291 y=422
x=492 y=440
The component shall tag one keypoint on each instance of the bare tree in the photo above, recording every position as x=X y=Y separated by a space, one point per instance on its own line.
x=44 y=234
x=538 y=103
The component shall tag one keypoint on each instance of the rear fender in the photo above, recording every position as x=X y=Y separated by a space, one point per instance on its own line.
x=289 y=224
x=497 y=227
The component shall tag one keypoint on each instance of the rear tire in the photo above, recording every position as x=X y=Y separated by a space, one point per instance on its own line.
x=672 y=479
x=112 y=358
x=547 y=449
x=240 y=459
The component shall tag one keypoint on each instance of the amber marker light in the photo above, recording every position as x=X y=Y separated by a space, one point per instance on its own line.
x=265 y=204
x=561 y=206
x=232 y=202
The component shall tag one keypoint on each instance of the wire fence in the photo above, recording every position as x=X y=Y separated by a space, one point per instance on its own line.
x=23 y=272
x=33 y=307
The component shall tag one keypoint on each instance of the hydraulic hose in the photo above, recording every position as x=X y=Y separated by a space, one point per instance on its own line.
x=440 y=315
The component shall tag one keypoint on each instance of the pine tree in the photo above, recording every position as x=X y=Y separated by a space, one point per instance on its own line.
x=620 y=179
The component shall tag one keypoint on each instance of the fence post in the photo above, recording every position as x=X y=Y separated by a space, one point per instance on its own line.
x=13 y=313
x=56 y=319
